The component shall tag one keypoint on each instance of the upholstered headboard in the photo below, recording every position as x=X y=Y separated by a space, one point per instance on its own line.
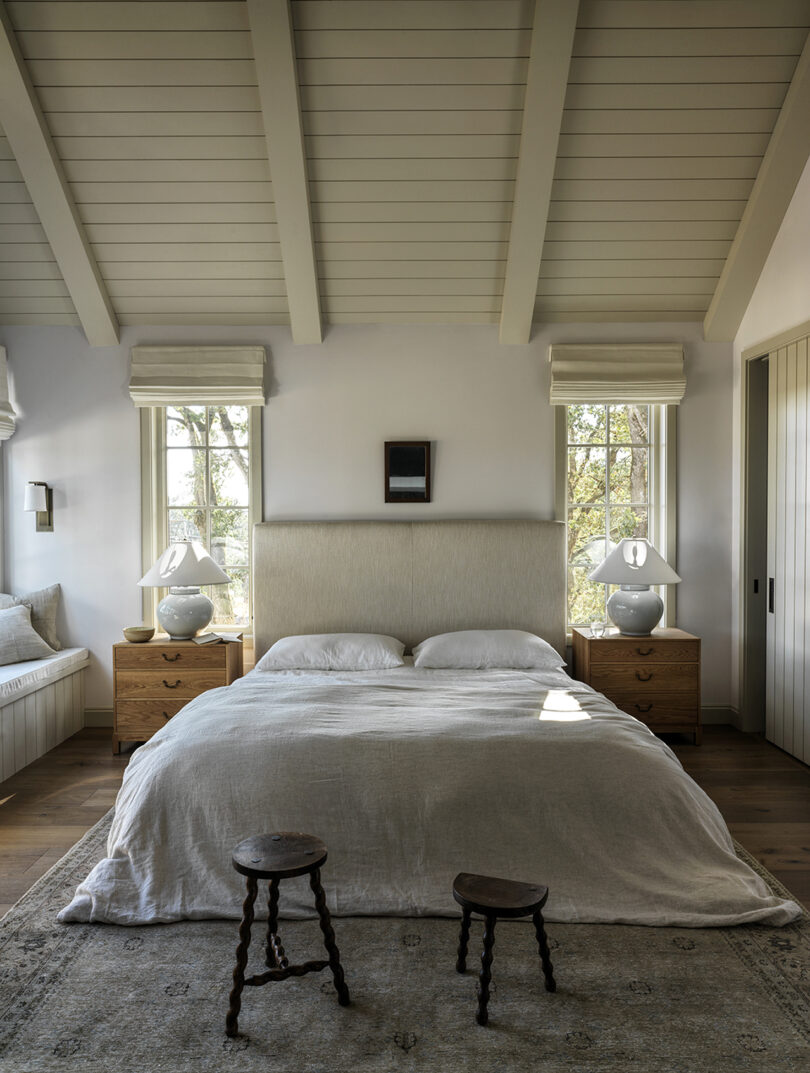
x=408 y=579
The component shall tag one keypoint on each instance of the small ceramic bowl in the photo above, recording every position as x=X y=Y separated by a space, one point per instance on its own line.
x=136 y=634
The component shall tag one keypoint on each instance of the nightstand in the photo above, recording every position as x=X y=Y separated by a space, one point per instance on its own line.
x=154 y=680
x=655 y=678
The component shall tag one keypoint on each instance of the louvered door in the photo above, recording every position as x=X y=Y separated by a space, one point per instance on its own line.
x=788 y=647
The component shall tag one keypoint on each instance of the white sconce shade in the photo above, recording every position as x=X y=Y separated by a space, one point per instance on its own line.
x=36 y=496
x=39 y=498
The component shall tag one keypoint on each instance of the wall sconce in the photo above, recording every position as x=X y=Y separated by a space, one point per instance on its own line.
x=39 y=497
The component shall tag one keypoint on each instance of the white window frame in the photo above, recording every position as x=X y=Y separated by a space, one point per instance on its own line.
x=155 y=508
x=663 y=507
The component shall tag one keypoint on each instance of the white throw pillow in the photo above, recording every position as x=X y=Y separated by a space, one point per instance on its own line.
x=479 y=649
x=43 y=604
x=18 y=638
x=333 y=652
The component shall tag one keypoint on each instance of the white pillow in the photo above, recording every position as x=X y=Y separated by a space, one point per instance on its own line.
x=478 y=649
x=43 y=604
x=333 y=652
x=18 y=638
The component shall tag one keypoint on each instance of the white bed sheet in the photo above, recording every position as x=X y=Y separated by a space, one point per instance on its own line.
x=411 y=776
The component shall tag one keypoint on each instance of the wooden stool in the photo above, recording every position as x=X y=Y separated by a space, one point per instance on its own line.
x=276 y=857
x=495 y=898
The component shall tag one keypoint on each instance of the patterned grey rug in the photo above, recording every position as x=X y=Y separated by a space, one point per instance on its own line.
x=87 y=998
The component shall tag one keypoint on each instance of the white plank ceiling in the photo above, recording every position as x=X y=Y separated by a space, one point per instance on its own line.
x=412 y=114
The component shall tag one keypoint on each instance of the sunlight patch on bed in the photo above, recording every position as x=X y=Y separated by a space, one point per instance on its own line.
x=562 y=707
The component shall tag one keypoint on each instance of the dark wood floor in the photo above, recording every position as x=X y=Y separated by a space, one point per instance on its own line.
x=763 y=794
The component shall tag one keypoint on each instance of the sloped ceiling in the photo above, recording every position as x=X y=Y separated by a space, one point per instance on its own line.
x=404 y=145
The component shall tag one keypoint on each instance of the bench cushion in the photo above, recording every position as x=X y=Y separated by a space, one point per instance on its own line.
x=17 y=679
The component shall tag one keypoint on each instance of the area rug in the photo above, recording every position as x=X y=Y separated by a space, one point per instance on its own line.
x=85 y=998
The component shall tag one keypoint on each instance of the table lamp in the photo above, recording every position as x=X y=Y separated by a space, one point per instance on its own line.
x=634 y=564
x=184 y=565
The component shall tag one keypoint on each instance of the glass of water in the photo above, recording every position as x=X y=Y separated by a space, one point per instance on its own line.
x=597 y=629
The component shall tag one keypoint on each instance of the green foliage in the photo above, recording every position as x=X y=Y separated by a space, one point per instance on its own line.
x=207 y=488
x=608 y=494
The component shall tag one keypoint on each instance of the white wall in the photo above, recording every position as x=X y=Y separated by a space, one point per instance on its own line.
x=484 y=407
x=780 y=302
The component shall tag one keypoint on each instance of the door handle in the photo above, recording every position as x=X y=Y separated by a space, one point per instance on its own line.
x=171 y=659
x=770 y=594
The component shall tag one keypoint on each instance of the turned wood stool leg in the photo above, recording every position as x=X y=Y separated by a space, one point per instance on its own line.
x=274 y=951
x=464 y=938
x=548 y=968
x=486 y=970
x=235 y=999
x=329 y=937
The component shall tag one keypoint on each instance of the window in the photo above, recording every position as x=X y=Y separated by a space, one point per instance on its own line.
x=616 y=479
x=202 y=481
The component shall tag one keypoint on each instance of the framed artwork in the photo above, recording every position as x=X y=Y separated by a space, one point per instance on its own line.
x=407 y=471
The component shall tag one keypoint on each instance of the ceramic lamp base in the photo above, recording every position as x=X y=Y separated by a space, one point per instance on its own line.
x=635 y=609
x=184 y=612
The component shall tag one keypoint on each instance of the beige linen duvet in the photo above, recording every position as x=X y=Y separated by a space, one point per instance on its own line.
x=411 y=776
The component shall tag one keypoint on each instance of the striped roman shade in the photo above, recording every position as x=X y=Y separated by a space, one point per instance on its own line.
x=635 y=372
x=197 y=375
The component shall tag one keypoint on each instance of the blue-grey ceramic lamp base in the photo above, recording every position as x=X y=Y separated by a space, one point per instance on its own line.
x=184 y=612
x=635 y=609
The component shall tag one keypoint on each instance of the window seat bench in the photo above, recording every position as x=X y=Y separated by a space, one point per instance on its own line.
x=41 y=704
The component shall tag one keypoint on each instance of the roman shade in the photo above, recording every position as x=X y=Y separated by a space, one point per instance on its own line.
x=197 y=375
x=601 y=373
x=7 y=422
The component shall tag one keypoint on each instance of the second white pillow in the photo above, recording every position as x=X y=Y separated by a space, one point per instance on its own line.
x=479 y=649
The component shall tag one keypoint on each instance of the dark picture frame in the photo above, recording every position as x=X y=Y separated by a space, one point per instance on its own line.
x=407 y=471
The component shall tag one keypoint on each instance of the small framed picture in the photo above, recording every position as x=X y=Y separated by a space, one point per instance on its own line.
x=407 y=471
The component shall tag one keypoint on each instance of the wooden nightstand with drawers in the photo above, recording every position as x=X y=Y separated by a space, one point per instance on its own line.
x=153 y=681
x=655 y=678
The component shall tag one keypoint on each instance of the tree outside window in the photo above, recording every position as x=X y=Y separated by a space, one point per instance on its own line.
x=207 y=493
x=608 y=494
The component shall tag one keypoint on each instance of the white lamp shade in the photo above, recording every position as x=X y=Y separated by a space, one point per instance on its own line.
x=36 y=497
x=184 y=563
x=634 y=562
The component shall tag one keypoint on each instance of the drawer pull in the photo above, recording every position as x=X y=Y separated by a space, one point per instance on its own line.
x=644 y=707
x=168 y=686
x=171 y=659
x=639 y=652
x=167 y=716
x=643 y=677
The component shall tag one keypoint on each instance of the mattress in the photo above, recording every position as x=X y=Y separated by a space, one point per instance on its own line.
x=411 y=776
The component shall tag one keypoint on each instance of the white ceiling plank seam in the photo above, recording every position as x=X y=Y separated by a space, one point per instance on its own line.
x=30 y=140
x=546 y=85
x=782 y=165
x=273 y=44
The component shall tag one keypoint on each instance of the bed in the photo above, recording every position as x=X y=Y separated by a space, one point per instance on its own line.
x=412 y=775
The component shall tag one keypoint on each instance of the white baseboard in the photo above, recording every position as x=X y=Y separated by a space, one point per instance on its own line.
x=98 y=717
x=720 y=714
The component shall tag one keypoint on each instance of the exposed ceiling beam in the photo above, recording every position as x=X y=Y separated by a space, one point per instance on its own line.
x=781 y=168
x=31 y=143
x=546 y=83
x=274 y=52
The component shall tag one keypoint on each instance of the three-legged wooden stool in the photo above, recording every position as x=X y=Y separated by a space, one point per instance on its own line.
x=495 y=898
x=276 y=857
